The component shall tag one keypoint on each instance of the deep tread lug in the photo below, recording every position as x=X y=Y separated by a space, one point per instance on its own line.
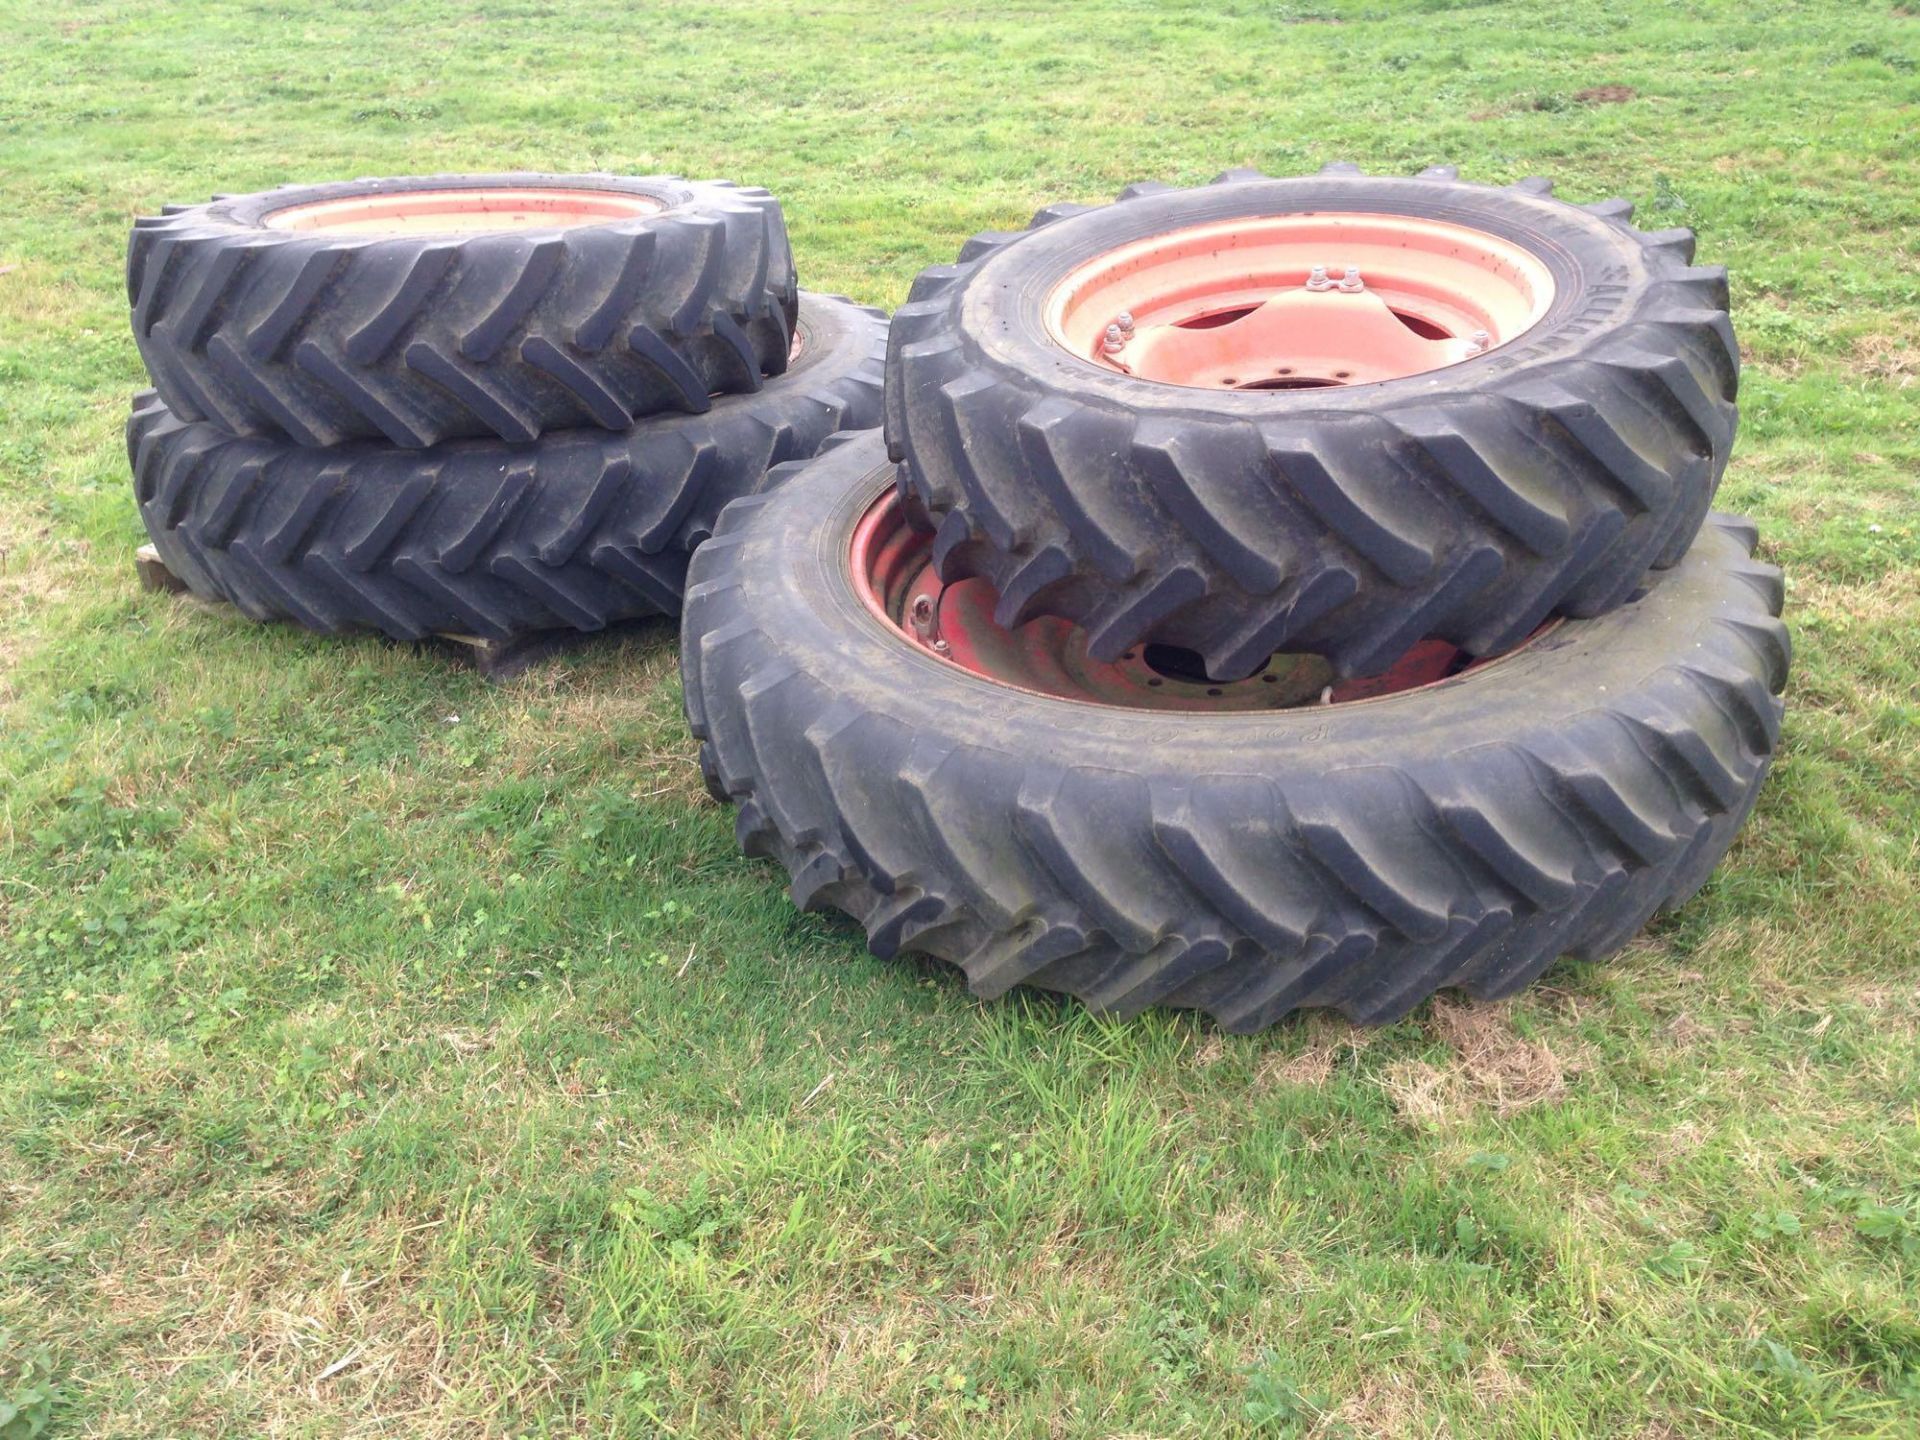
x=481 y=537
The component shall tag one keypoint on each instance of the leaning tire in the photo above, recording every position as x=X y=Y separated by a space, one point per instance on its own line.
x=1246 y=863
x=1467 y=502
x=395 y=308
x=481 y=537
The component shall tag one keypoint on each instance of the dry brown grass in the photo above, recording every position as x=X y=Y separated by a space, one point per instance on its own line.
x=348 y=1352
x=1384 y=1408
x=40 y=570
x=1492 y=1067
x=1887 y=599
x=1329 y=1038
x=1894 y=359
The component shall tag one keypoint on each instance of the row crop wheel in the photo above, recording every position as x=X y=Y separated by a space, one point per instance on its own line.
x=422 y=309
x=1331 y=413
x=1131 y=830
x=484 y=537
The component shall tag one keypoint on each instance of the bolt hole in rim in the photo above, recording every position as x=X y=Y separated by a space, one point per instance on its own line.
x=455 y=210
x=891 y=565
x=1238 y=304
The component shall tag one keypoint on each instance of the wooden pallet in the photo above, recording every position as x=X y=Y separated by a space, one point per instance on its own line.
x=497 y=660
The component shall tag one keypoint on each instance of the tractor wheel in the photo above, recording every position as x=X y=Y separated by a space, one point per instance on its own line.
x=1160 y=420
x=480 y=537
x=422 y=309
x=1132 y=832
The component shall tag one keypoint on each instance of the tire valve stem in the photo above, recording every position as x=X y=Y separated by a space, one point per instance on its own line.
x=1317 y=279
x=1116 y=340
x=1351 y=283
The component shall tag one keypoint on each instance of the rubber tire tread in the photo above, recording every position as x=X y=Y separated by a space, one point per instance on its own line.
x=320 y=337
x=1358 y=857
x=576 y=530
x=1469 y=503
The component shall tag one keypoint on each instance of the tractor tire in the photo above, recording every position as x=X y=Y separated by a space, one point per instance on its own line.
x=360 y=318
x=481 y=537
x=1359 y=856
x=1469 y=502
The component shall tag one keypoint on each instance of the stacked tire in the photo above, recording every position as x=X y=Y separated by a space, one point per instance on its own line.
x=473 y=405
x=1279 y=593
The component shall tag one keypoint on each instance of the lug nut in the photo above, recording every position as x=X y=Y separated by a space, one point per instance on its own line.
x=1125 y=321
x=1479 y=339
x=1351 y=281
x=921 y=613
x=1317 y=279
x=1116 y=340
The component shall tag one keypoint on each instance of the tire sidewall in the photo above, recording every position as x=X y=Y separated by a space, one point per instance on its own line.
x=830 y=335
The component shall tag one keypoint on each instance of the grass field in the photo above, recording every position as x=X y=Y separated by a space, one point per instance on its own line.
x=385 y=1053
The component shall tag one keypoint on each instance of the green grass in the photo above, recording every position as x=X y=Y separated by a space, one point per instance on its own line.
x=384 y=1053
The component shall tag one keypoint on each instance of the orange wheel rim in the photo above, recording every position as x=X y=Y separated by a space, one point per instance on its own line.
x=502 y=207
x=892 y=569
x=1293 y=302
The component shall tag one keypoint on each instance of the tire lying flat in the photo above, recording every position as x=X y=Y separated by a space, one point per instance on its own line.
x=1357 y=856
x=1467 y=502
x=421 y=328
x=480 y=537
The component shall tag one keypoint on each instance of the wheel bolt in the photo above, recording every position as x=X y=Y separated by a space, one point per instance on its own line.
x=1317 y=279
x=1351 y=281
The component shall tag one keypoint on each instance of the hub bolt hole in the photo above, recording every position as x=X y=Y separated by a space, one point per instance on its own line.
x=1176 y=662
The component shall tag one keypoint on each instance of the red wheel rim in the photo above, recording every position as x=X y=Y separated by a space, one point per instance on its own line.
x=893 y=573
x=500 y=207
x=1291 y=302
